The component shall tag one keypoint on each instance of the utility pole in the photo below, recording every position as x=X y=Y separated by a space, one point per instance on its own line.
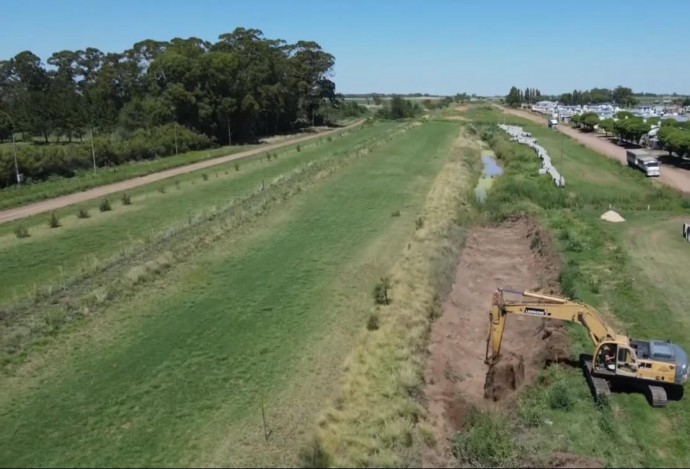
x=93 y=150
x=14 y=151
x=175 y=132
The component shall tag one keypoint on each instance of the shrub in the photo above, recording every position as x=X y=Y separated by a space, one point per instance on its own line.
x=268 y=156
x=560 y=397
x=53 y=221
x=486 y=443
x=21 y=231
x=419 y=222
x=161 y=189
x=299 y=148
x=381 y=291
x=237 y=167
x=177 y=182
x=83 y=212
x=105 y=206
x=126 y=199
x=396 y=213
x=204 y=176
x=373 y=322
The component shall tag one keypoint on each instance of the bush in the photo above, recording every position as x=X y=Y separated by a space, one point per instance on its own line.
x=268 y=156
x=373 y=322
x=53 y=221
x=105 y=206
x=237 y=167
x=419 y=223
x=396 y=213
x=486 y=443
x=83 y=212
x=560 y=397
x=161 y=189
x=21 y=231
x=299 y=148
x=126 y=199
x=204 y=176
x=381 y=291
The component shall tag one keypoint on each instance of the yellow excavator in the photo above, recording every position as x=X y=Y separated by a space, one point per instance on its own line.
x=654 y=367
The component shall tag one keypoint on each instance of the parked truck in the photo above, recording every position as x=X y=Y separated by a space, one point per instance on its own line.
x=644 y=162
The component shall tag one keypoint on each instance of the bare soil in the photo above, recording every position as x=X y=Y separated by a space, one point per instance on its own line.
x=80 y=197
x=671 y=176
x=456 y=376
x=574 y=461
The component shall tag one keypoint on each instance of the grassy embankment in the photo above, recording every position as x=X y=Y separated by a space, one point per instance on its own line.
x=170 y=370
x=372 y=420
x=632 y=272
x=50 y=256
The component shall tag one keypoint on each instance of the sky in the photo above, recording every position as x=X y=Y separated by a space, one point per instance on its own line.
x=402 y=46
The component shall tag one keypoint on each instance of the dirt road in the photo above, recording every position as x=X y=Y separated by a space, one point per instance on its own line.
x=79 y=197
x=671 y=176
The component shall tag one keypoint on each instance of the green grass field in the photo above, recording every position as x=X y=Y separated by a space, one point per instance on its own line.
x=632 y=272
x=172 y=374
x=51 y=255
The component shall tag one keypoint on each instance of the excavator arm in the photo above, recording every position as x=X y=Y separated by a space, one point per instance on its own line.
x=544 y=306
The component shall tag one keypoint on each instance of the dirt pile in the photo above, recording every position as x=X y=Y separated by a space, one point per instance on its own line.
x=516 y=255
x=612 y=216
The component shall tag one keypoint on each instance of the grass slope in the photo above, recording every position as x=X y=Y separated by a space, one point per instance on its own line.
x=51 y=255
x=184 y=366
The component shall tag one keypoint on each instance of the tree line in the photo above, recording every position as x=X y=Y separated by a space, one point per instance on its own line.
x=674 y=136
x=620 y=95
x=516 y=97
x=233 y=90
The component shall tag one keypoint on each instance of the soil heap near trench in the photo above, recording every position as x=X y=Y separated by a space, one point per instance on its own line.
x=516 y=255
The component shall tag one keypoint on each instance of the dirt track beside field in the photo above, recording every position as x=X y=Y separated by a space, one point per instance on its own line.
x=129 y=184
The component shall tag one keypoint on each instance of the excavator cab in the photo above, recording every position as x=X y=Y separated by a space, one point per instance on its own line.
x=616 y=359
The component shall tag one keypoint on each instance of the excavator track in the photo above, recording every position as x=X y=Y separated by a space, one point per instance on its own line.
x=657 y=395
x=599 y=386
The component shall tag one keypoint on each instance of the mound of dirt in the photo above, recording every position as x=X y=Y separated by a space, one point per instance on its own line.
x=516 y=255
x=504 y=376
x=573 y=460
x=613 y=217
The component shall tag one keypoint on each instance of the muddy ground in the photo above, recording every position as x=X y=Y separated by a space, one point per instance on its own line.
x=516 y=255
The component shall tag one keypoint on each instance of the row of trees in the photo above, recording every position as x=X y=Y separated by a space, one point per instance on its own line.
x=621 y=95
x=516 y=97
x=399 y=108
x=673 y=135
x=239 y=87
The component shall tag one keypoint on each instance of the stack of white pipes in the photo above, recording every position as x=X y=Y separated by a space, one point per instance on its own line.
x=520 y=136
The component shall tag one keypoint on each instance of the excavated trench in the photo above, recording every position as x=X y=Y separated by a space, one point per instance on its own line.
x=517 y=255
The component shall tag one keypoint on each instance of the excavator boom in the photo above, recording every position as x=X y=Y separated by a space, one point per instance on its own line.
x=551 y=307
